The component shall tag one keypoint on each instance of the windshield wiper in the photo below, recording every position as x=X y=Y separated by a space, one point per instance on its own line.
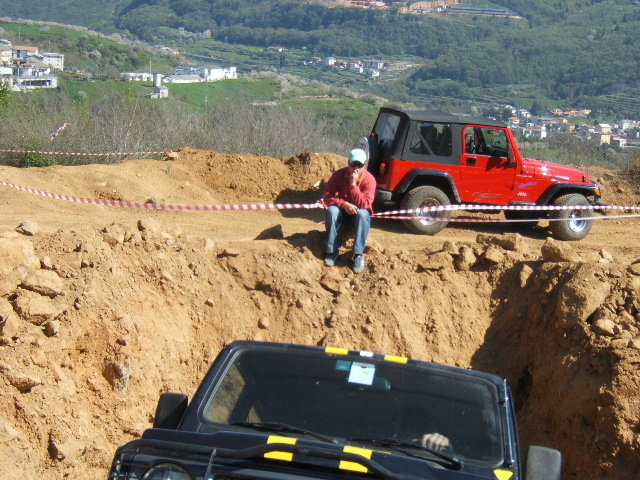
x=284 y=428
x=449 y=460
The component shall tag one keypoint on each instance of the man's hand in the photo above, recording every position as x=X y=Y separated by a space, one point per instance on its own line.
x=350 y=208
x=355 y=175
x=435 y=441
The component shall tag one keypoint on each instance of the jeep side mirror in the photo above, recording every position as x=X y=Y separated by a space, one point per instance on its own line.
x=543 y=464
x=170 y=410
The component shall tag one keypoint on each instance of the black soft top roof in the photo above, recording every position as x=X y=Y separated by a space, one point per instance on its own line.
x=443 y=117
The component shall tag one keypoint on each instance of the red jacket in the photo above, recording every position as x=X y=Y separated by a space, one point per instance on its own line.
x=339 y=190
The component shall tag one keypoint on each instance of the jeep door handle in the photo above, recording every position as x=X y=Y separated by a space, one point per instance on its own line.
x=471 y=160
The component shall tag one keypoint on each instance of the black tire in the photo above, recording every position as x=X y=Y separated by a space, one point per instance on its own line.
x=426 y=196
x=569 y=224
x=520 y=215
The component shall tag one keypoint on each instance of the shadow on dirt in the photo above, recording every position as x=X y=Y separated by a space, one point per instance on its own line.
x=307 y=197
x=467 y=223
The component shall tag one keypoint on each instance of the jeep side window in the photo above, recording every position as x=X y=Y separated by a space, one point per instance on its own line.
x=424 y=139
x=486 y=141
x=431 y=139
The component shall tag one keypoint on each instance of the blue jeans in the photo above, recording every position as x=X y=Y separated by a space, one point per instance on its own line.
x=360 y=223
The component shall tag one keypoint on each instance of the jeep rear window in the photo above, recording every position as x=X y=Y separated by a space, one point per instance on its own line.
x=346 y=397
x=385 y=129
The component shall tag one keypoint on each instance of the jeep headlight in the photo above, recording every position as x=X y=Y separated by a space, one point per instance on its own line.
x=167 y=471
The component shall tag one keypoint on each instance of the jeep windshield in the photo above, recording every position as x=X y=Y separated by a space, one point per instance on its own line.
x=359 y=399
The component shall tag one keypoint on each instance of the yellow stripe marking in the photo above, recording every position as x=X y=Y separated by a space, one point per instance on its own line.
x=503 y=474
x=353 y=466
x=280 y=455
x=395 y=358
x=339 y=351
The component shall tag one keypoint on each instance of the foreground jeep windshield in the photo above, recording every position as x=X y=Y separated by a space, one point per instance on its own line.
x=353 y=399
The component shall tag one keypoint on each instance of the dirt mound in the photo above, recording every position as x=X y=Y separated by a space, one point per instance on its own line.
x=103 y=308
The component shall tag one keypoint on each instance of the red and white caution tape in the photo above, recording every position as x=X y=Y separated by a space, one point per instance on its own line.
x=501 y=220
x=55 y=134
x=161 y=206
x=409 y=214
x=110 y=154
x=529 y=208
x=415 y=213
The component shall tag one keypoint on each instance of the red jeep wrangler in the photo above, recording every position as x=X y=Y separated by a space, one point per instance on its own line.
x=428 y=158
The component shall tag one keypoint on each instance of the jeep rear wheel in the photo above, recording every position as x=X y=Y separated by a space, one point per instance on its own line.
x=571 y=224
x=421 y=197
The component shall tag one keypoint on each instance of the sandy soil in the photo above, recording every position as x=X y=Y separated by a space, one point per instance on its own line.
x=103 y=308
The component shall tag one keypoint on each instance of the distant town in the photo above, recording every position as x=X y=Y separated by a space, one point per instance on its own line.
x=25 y=68
x=437 y=6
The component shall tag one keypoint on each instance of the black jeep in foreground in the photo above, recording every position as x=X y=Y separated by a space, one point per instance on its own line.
x=268 y=411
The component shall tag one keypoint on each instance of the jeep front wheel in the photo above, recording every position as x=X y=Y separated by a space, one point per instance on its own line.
x=421 y=197
x=571 y=224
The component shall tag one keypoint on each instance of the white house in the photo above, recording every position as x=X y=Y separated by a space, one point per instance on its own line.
x=33 y=74
x=183 y=78
x=626 y=124
x=55 y=60
x=213 y=73
x=33 y=67
x=204 y=72
x=137 y=76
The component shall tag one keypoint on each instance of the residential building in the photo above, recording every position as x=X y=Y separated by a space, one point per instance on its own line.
x=6 y=54
x=32 y=74
x=23 y=51
x=55 y=60
x=137 y=76
x=373 y=64
x=183 y=78
x=356 y=67
x=202 y=72
x=213 y=73
x=618 y=141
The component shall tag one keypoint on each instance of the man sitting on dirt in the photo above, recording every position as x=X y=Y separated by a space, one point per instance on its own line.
x=349 y=198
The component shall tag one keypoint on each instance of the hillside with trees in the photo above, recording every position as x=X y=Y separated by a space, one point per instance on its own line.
x=95 y=14
x=582 y=53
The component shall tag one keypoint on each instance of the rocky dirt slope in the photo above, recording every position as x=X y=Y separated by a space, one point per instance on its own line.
x=103 y=308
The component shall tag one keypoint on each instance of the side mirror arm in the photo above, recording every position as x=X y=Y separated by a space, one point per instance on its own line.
x=510 y=157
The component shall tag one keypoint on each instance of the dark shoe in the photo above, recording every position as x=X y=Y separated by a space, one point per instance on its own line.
x=358 y=263
x=330 y=259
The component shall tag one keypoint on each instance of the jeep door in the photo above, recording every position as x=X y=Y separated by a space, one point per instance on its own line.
x=486 y=173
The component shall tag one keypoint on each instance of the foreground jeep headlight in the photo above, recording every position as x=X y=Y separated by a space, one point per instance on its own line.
x=167 y=471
